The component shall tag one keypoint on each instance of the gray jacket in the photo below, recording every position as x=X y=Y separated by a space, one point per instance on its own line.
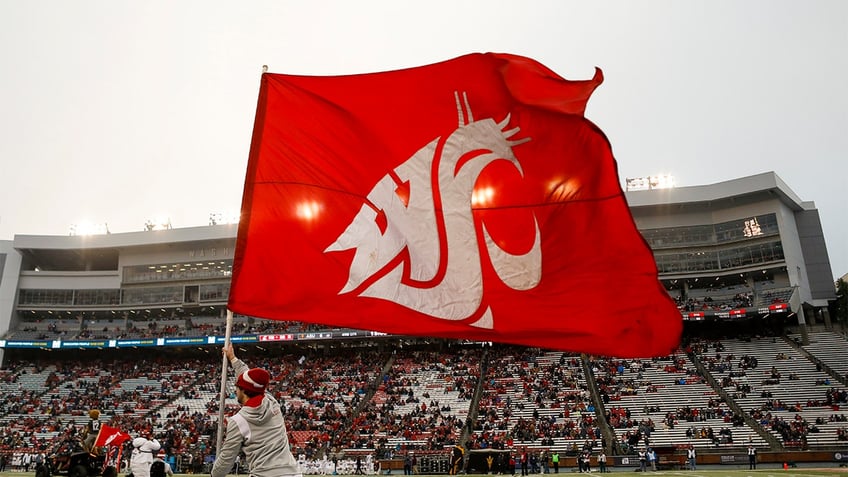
x=260 y=432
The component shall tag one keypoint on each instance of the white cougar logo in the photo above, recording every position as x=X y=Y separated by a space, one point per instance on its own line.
x=449 y=288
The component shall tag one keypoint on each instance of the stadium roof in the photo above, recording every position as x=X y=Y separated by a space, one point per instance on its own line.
x=735 y=191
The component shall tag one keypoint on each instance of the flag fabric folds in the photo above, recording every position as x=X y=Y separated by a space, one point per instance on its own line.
x=110 y=436
x=466 y=199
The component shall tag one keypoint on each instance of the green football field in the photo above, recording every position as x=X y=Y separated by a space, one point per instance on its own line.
x=773 y=472
x=685 y=473
x=797 y=472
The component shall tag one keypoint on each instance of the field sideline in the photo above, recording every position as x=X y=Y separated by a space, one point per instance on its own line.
x=768 y=472
x=775 y=472
x=698 y=473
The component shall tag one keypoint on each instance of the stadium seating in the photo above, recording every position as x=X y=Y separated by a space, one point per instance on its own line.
x=783 y=390
x=385 y=400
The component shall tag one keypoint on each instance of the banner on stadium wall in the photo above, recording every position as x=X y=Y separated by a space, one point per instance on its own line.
x=735 y=314
x=25 y=344
x=86 y=344
x=191 y=341
x=623 y=461
x=132 y=343
x=237 y=339
x=733 y=459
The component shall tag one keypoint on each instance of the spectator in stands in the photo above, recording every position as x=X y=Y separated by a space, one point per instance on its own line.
x=258 y=429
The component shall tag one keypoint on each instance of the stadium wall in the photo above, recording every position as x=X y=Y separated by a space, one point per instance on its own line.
x=807 y=266
x=815 y=255
x=10 y=265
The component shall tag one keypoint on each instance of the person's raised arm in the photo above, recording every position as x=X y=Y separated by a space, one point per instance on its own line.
x=229 y=352
x=238 y=365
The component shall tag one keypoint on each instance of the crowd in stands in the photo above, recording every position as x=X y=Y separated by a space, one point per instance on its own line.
x=739 y=300
x=51 y=421
x=623 y=383
x=789 y=404
x=422 y=400
x=528 y=398
x=386 y=400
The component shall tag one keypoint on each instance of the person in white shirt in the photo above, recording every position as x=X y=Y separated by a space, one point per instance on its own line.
x=325 y=464
x=142 y=455
x=752 y=457
x=690 y=454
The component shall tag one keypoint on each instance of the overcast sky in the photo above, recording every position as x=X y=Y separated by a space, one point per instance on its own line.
x=116 y=112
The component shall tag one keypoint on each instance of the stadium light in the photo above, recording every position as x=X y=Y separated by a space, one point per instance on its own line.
x=87 y=228
x=159 y=223
x=662 y=181
x=219 y=218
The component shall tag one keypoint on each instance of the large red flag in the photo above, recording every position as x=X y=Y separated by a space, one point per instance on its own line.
x=465 y=199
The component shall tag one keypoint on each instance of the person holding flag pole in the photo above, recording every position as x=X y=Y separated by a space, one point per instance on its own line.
x=258 y=429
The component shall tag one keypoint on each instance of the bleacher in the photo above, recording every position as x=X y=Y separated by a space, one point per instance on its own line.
x=769 y=292
x=535 y=398
x=538 y=399
x=429 y=393
x=672 y=405
x=785 y=386
x=829 y=347
x=721 y=298
x=45 y=330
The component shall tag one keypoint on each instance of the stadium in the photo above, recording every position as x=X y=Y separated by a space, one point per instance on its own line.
x=132 y=324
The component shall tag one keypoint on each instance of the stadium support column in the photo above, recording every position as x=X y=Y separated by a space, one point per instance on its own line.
x=474 y=407
x=806 y=318
x=597 y=400
x=10 y=272
x=825 y=313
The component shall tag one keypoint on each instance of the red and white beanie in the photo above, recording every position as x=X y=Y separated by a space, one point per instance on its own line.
x=254 y=380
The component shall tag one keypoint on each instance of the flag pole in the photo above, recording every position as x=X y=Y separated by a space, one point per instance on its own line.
x=223 y=395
